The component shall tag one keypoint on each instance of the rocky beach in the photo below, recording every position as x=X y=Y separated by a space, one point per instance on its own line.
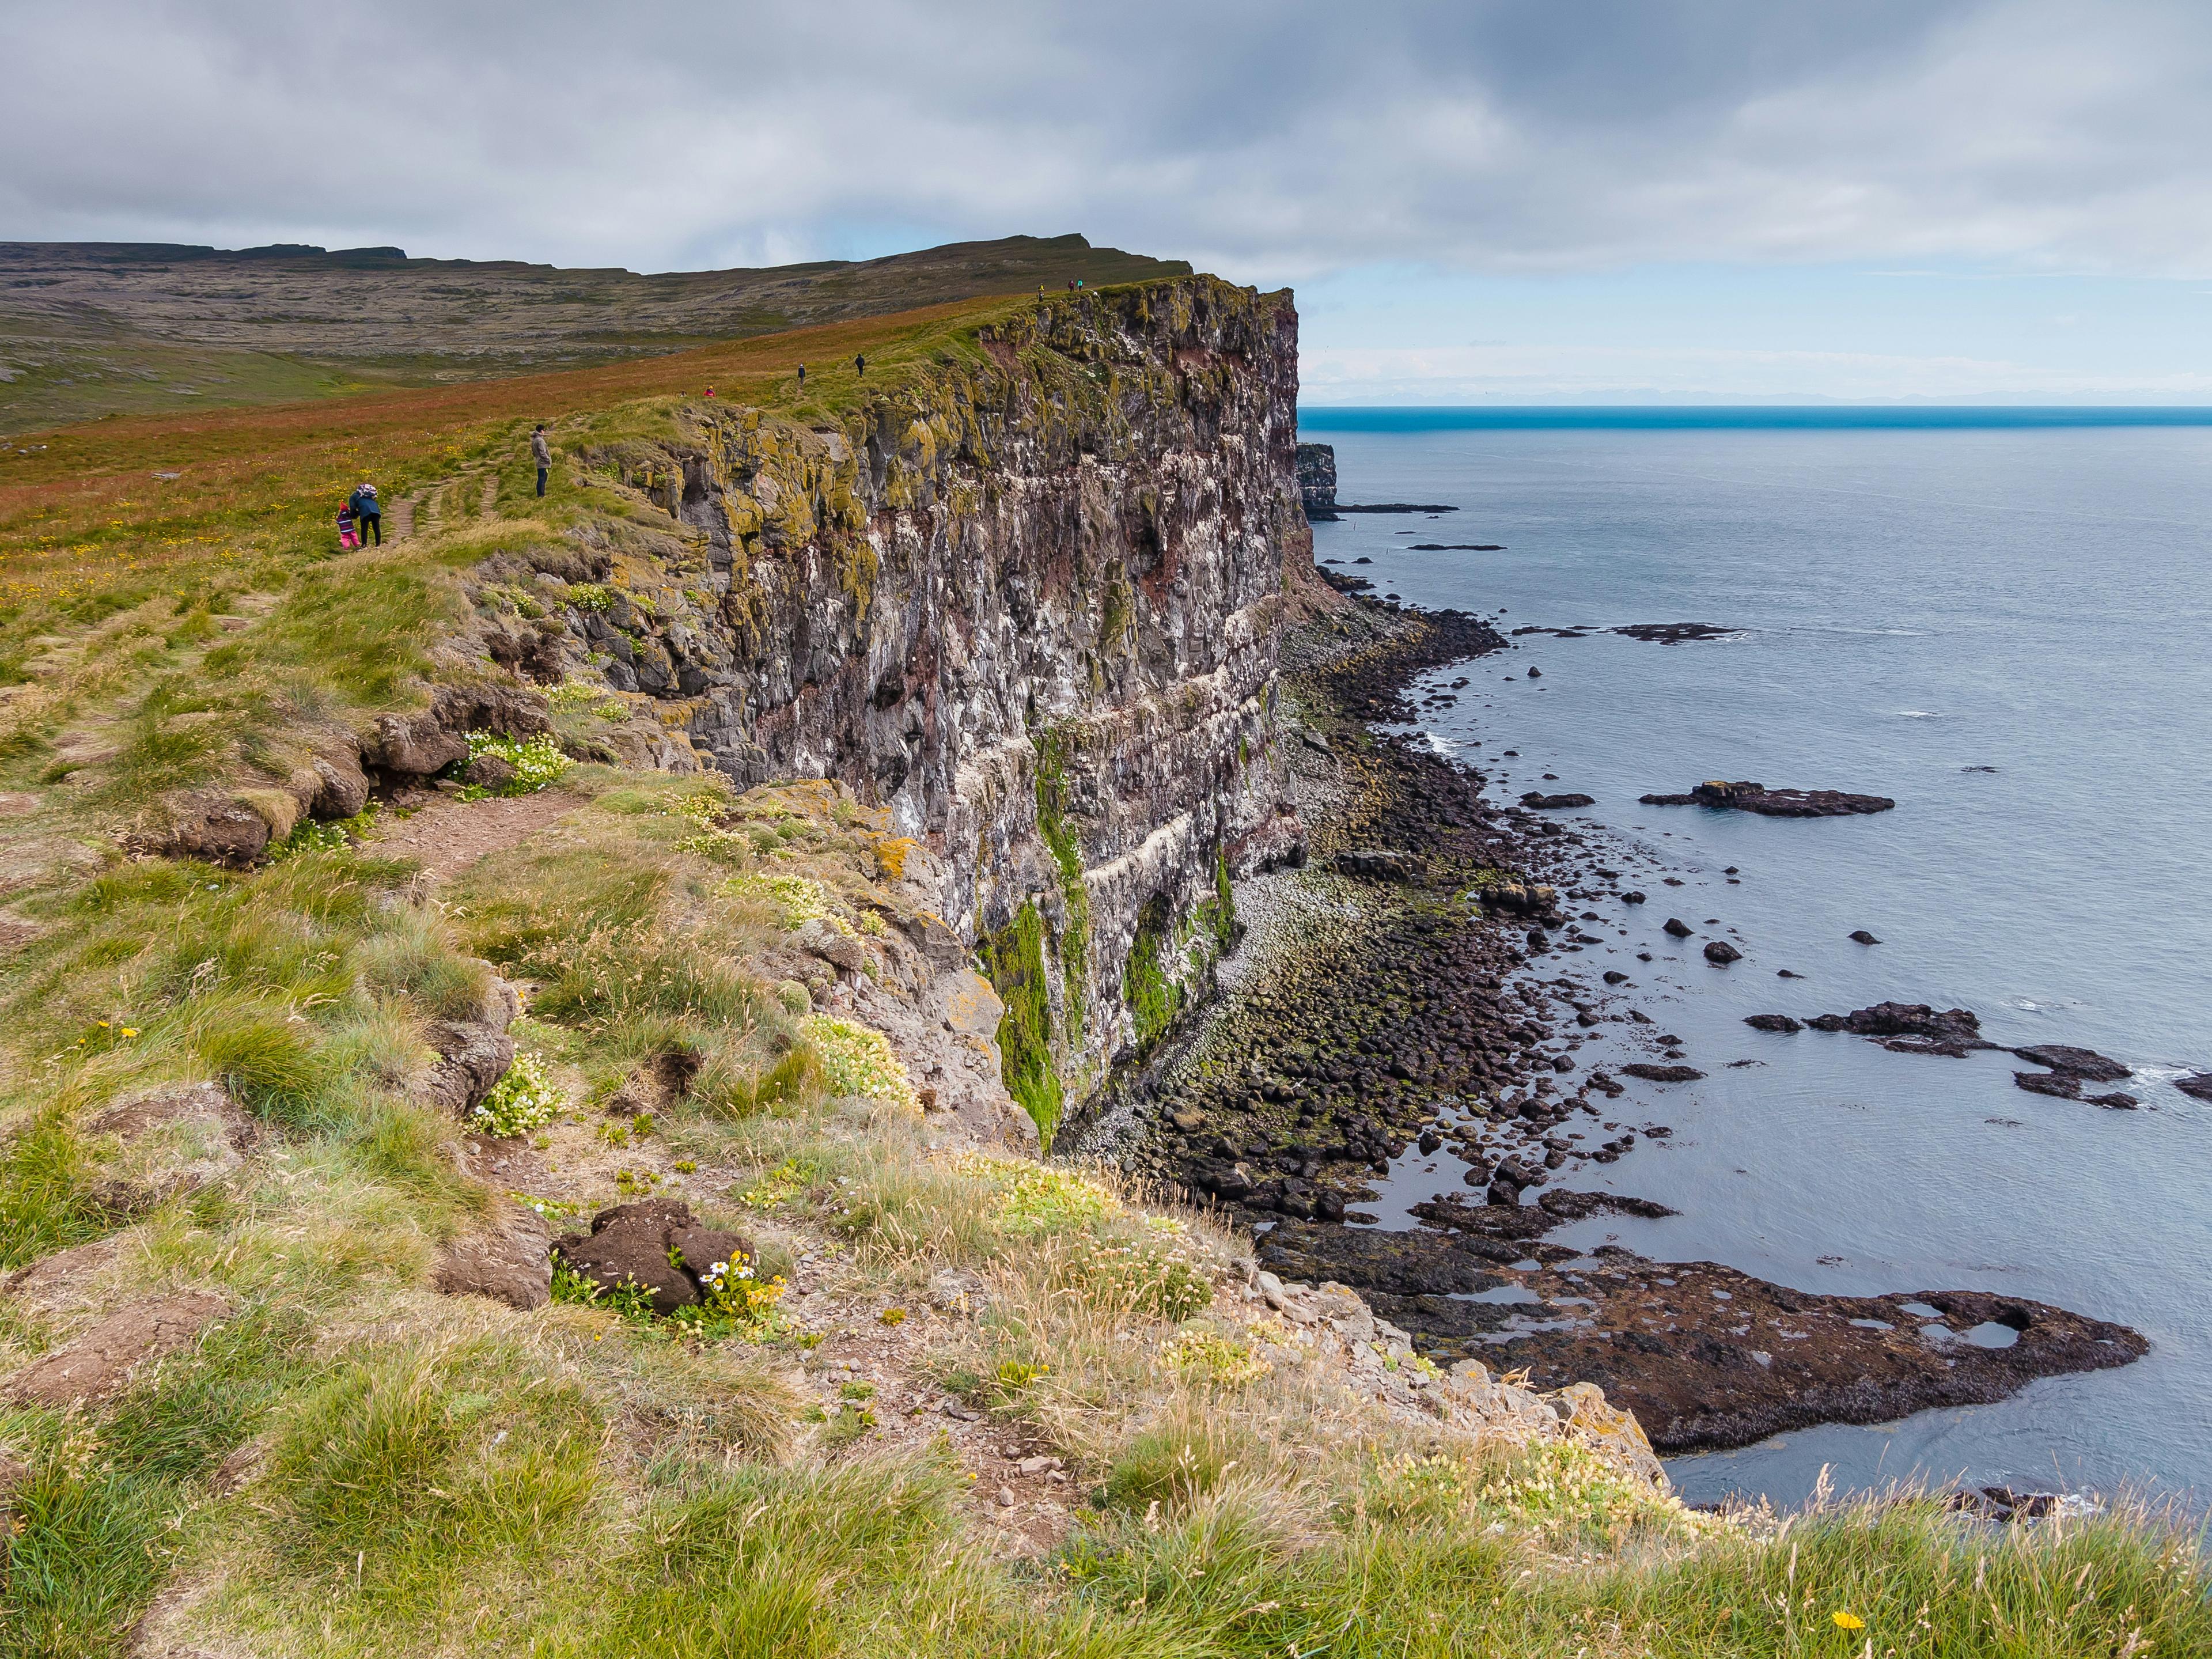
x=1402 y=1025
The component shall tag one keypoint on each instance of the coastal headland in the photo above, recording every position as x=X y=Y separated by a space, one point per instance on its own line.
x=541 y=1060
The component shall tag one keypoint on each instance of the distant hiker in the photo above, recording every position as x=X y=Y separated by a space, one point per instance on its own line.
x=802 y=377
x=369 y=511
x=860 y=363
x=541 y=450
x=710 y=392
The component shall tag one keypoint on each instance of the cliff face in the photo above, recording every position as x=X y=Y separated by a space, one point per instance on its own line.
x=1027 y=601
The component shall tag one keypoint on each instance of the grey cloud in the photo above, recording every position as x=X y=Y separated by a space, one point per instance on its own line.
x=1272 y=141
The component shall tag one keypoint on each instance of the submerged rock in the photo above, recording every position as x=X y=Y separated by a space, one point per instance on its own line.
x=1674 y=633
x=2067 y=1060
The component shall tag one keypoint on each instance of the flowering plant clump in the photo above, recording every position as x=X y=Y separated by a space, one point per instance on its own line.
x=799 y=899
x=525 y=1099
x=735 y=1301
x=1214 y=1357
x=860 y=1061
x=777 y=1188
x=574 y=694
x=630 y=1299
x=333 y=836
x=1036 y=1197
x=537 y=762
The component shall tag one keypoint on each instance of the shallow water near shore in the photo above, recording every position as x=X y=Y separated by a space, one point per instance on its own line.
x=1916 y=608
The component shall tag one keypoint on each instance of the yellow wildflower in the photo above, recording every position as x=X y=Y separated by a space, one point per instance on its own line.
x=1849 y=1621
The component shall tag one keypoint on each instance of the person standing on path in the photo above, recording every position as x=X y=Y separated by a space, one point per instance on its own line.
x=860 y=363
x=368 y=513
x=541 y=451
x=802 y=377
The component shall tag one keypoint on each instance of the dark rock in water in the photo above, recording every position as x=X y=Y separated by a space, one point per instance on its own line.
x=1771 y=1023
x=1520 y=898
x=1745 y=796
x=1542 y=802
x=1461 y=547
x=1860 y=936
x=2115 y=1102
x=1948 y=1047
x=2049 y=1083
x=2085 y=1063
x=1380 y=864
x=1674 y=633
x=1904 y=1019
x=1631 y=897
x=1393 y=507
x=2002 y=1504
x=1615 y=977
x=1784 y=973
x=1700 y=1370
x=1678 y=928
x=1651 y=1073
x=1720 y=953
x=2198 y=1086
x=1535 y=673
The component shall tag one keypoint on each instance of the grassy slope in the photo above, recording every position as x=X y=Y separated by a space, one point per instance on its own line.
x=444 y=1476
x=90 y=329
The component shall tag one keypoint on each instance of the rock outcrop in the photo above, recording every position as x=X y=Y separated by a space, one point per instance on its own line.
x=1745 y=796
x=1027 y=602
x=1317 y=465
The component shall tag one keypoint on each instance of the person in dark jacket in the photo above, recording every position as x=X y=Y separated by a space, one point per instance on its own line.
x=541 y=450
x=802 y=377
x=368 y=513
x=860 y=364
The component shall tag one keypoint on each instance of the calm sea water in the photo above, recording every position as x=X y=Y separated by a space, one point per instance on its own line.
x=2001 y=622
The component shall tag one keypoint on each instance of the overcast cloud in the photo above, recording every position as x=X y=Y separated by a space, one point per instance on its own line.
x=1272 y=141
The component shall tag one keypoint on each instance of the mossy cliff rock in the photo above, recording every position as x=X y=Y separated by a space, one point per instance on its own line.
x=1025 y=596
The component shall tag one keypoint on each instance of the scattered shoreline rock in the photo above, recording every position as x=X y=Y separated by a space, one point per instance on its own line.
x=1330 y=1062
x=1745 y=796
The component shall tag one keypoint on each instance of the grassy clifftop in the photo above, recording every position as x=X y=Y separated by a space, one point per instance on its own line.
x=272 y=1377
x=91 y=328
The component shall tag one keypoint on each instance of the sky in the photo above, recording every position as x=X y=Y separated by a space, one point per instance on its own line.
x=1519 y=201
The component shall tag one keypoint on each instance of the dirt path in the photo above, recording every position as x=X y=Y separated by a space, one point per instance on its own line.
x=447 y=835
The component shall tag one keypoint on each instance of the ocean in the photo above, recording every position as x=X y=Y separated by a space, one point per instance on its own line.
x=1999 y=618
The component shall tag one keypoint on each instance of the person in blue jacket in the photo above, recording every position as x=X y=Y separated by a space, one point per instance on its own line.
x=368 y=511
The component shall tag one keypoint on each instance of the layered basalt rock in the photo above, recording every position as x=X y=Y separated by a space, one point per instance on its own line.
x=1027 y=601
